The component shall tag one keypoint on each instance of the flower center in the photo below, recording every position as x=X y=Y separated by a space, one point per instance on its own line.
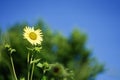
x=56 y=70
x=33 y=36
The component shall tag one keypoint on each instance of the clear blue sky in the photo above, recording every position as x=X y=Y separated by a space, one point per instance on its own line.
x=100 y=19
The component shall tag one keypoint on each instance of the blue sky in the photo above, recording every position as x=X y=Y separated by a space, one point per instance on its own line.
x=100 y=19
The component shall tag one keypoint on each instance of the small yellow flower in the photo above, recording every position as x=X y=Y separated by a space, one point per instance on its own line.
x=33 y=36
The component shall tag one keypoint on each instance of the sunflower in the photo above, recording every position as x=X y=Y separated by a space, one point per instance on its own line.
x=57 y=70
x=33 y=36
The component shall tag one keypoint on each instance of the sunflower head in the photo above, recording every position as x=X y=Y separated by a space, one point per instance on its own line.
x=57 y=70
x=32 y=35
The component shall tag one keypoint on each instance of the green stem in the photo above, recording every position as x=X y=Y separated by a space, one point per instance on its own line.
x=29 y=66
x=32 y=71
x=28 y=57
x=28 y=61
x=13 y=67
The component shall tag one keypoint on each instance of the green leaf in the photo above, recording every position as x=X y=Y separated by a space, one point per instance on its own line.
x=40 y=65
x=37 y=49
x=7 y=46
x=35 y=61
x=45 y=64
x=22 y=78
x=44 y=78
x=31 y=49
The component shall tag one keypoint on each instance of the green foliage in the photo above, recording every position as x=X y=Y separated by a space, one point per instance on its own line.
x=70 y=52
